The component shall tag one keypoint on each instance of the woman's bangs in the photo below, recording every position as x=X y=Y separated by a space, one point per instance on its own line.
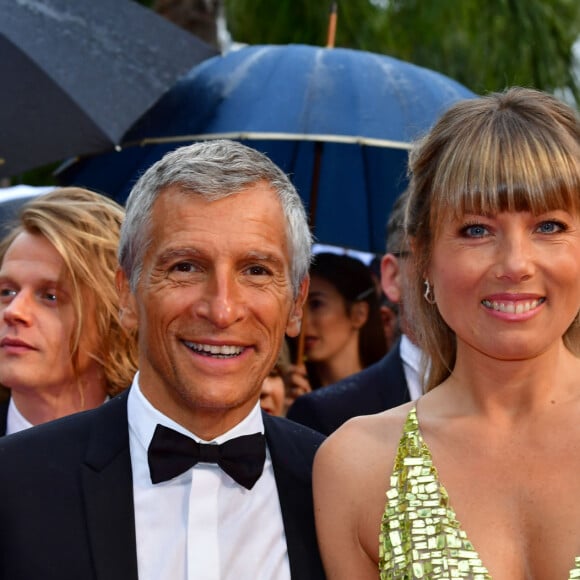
x=514 y=176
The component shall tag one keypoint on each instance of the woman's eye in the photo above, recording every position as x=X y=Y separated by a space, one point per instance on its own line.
x=551 y=227
x=50 y=296
x=474 y=231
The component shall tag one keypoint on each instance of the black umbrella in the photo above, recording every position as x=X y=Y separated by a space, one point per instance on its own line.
x=76 y=74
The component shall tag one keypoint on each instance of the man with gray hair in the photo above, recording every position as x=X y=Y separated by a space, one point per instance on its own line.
x=182 y=477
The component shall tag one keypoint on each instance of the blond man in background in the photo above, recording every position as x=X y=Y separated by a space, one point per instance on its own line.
x=62 y=348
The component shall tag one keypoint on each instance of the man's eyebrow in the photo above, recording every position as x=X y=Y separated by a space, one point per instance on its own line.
x=173 y=254
x=277 y=262
x=264 y=256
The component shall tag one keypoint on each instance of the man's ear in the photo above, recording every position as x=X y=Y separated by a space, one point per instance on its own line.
x=128 y=313
x=391 y=278
x=296 y=313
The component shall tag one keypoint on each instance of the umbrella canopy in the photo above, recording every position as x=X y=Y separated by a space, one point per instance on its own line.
x=339 y=121
x=76 y=75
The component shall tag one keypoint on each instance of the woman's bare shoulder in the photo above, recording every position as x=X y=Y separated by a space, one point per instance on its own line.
x=367 y=439
x=380 y=426
x=352 y=471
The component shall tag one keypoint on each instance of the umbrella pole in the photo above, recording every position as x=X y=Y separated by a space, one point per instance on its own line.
x=318 y=146
x=314 y=183
x=332 y=26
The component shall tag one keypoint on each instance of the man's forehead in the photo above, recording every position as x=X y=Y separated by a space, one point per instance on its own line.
x=33 y=256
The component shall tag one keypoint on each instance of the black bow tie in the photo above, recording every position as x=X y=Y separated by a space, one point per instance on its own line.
x=170 y=454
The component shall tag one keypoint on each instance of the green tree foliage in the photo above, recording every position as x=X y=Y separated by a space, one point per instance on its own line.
x=489 y=44
x=303 y=22
x=484 y=44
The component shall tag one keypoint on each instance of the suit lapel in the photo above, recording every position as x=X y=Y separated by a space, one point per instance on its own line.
x=106 y=481
x=293 y=473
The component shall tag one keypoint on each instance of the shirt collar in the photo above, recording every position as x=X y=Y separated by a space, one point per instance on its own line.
x=15 y=420
x=144 y=417
x=410 y=353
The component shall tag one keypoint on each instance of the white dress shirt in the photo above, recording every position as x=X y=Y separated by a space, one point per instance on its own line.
x=411 y=357
x=202 y=525
x=15 y=420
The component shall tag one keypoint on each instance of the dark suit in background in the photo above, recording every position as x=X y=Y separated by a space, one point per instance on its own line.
x=71 y=498
x=372 y=390
x=3 y=417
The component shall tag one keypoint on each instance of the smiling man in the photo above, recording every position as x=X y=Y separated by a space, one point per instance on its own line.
x=183 y=477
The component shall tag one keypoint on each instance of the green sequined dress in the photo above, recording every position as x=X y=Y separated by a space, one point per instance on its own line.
x=420 y=536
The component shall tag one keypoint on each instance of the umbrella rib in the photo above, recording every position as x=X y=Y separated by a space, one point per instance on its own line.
x=354 y=139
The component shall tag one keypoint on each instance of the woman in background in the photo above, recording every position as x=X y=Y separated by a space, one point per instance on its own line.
x=273 y=397
x=343 y=331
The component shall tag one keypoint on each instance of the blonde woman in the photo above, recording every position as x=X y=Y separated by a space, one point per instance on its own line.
x=478 y=478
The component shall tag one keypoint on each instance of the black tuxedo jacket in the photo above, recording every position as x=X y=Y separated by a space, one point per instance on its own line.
x=67 y=498
x=3 y=416
x=374 y=389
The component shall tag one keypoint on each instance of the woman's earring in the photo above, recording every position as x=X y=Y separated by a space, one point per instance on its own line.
x=428 y=294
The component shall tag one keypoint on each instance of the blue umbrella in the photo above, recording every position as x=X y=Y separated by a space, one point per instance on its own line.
x=339 y=121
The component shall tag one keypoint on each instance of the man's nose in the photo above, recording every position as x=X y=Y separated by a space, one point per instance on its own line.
x=19 y=309
x=223 y=302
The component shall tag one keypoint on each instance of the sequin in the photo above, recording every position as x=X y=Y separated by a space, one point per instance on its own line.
x=420 y=536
